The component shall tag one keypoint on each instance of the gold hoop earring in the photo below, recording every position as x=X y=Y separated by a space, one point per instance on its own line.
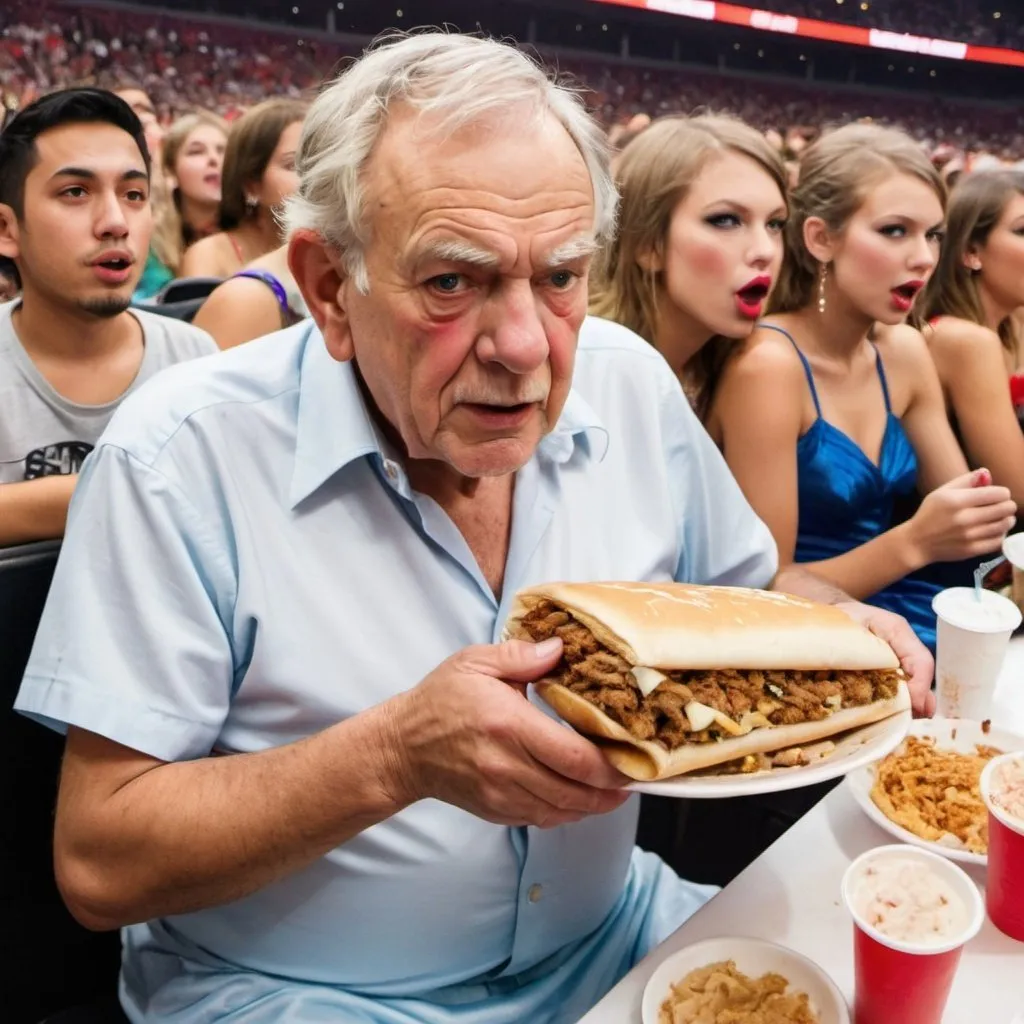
x=822 y=278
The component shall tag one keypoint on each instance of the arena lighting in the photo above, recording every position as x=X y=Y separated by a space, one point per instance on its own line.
x=811 y=28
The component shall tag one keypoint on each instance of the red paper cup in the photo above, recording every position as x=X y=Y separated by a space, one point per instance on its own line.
x=1004 y=894
x=897 y=982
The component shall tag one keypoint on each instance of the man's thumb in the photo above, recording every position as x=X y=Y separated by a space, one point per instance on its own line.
x=521 y=661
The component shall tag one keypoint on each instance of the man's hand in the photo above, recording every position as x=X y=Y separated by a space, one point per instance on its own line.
x=467 y=735
x=914 y=657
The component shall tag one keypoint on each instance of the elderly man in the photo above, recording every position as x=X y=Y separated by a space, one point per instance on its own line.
x=300 y=771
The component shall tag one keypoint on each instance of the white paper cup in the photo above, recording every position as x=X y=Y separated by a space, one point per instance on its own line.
x=971 y=640
x=1013 y=550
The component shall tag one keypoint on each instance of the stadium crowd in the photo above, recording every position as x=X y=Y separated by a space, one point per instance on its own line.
x=992 y=23
x=184 y=64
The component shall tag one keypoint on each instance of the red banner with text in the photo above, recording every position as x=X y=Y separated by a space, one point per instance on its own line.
x=811 y=28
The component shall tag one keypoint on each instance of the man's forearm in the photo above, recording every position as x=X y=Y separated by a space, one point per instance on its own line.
x=34 y=509
x=795 y=580
x=178 y=837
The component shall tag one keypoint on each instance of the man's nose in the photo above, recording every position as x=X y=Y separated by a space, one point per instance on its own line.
x=512 y=333
x=110 y=219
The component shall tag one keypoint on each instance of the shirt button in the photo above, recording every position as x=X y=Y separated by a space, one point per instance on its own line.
x=390 y=470
x=534 y=893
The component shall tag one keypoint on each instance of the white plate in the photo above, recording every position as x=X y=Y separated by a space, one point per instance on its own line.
x=949 y=734
x=753 y=957
x=854 y=750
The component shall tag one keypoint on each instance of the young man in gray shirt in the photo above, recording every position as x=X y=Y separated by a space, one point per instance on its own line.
x=75 y=224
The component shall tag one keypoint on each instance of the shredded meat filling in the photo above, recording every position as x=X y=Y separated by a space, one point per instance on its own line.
x=783 y=697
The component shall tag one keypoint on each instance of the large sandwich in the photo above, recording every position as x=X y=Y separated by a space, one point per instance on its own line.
x=670 y=678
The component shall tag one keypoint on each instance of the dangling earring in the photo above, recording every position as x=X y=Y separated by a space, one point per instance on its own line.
x=822 y=278
x=251 y=202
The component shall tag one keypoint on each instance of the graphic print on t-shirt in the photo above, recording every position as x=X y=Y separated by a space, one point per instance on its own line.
x=59 y=459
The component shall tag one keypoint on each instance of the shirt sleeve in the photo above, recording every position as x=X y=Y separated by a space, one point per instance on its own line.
x=132 y=644
x=722 y=540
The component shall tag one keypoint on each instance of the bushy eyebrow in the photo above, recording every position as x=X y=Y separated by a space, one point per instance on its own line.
x=575 y=249
x=455 y=250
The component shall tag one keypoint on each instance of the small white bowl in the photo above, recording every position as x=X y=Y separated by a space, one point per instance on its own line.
x=754 y=957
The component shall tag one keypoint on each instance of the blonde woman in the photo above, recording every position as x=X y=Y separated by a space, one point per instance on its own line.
x=258 y=175
x=193 y=158
x=832 y=409
x=700 y=243
x=971 y=329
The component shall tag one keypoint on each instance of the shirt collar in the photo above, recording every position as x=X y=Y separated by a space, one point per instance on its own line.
x=334 y=427
x=577 y=422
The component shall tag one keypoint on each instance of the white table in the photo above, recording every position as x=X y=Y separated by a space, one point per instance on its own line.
x=790 y=895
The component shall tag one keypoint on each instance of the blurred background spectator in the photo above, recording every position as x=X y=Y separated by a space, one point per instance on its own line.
x=630 y=62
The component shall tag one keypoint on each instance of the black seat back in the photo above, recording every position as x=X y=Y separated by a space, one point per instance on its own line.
x=186 y=289
x=49 y=961
x=184 y=310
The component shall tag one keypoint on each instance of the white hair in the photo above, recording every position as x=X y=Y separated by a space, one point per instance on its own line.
x=458 y=79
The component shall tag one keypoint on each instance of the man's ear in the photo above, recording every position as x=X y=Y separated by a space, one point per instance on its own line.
x=320 y=274
x=820 y=242
x=9 y=233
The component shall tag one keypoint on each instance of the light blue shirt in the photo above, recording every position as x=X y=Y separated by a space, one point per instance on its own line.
x=246 y=565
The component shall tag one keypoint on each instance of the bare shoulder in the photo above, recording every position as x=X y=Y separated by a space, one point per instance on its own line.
x=902 y=346
x=212 y=245
x=951 y=336
x=766 y=355
x=212 y=256
x=240 y=303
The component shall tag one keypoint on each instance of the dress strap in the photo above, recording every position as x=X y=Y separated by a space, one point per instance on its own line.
x=803 y=360
x=237 y=246
x=880 y=366
x=273 y=284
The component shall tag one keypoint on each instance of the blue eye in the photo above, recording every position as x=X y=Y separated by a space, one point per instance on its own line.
x=893 y=231
x=778 y=225
x=447 y=284
x=561 y=279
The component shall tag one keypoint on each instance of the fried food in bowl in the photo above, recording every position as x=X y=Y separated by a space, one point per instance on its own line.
x=934 y=793
x=721 y=994
x=737 y=980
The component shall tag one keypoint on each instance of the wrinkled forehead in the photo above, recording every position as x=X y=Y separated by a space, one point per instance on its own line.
x=492 y=180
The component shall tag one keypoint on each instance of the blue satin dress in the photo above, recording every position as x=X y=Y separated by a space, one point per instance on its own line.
x=845 y=500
